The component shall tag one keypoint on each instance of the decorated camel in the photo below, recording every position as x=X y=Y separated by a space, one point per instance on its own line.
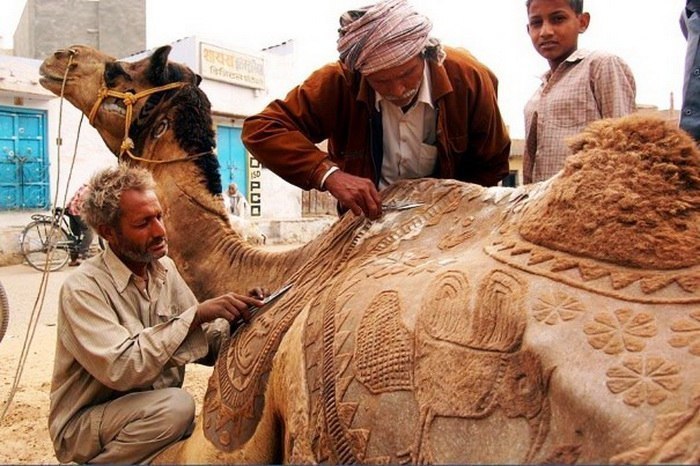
x=558 y=322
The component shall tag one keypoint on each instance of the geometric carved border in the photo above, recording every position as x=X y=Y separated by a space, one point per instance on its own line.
x=552 y=264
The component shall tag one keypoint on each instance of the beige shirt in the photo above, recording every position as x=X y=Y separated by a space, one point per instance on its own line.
x=118 y=334
x=409 y=138
x=586 y=87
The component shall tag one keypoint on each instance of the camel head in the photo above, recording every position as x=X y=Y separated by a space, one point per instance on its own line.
x=151 y=110
x=102 y=88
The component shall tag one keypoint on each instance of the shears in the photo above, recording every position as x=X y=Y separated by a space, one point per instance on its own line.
x=254 y=309
x=396 y=208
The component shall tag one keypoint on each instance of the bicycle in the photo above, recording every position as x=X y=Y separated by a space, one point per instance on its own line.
x=43 y=245
x=4 y=312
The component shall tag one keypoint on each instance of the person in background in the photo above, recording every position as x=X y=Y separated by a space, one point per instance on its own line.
x=690 y=113
x=79 y=227
x=580 y=87
x=127 y=325
x=396 y=105
x=237 y=203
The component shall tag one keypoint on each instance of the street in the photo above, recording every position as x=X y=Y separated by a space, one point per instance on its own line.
x=24 y=429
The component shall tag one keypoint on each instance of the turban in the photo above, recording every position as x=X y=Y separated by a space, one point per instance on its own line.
x=381 y=36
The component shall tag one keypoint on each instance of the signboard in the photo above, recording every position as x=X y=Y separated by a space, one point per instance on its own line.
x=231 y=67
x=254 y=186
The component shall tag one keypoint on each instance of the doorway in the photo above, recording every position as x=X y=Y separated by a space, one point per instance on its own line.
x=24 y=167
x=233 y=158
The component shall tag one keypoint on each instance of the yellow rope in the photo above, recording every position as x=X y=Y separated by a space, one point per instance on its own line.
x=129 y=99
x=39 y=302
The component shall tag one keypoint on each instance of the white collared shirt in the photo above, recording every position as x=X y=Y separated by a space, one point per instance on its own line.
x=409 y=138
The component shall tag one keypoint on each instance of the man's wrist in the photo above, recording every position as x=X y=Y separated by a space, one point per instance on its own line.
x=327 y=174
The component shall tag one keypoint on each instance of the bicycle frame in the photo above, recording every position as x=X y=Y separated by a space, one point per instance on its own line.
x=62 y=221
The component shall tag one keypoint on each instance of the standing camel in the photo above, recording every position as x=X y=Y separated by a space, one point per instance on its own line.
x=559 y=322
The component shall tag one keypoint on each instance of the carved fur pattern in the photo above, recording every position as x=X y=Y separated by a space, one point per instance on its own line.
x=236 y=389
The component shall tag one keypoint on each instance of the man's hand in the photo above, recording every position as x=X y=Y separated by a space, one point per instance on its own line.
x=230 y=306
x=355 y=193
x=259 y=292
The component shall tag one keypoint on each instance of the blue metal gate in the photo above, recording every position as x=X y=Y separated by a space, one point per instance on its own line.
x=24 y=167
x=232 y=157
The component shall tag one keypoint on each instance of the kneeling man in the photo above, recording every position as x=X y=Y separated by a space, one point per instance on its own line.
x=127 y=325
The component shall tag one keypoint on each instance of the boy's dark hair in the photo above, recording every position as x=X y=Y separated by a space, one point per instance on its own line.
x=576 y=5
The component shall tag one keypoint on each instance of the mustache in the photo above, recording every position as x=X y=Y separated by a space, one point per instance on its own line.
x=405 y=95
x=158 y=241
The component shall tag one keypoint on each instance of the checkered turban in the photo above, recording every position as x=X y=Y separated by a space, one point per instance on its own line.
x=382 y=36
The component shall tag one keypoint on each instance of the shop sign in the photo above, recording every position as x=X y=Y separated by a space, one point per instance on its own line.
x=232 y=67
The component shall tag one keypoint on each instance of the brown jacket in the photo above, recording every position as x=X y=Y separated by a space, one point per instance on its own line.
x=338 y=105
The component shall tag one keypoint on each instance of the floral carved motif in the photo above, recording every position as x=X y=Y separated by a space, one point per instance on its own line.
x=644 y=379
x=556 y=308
x=687 y=333
x=622 y=331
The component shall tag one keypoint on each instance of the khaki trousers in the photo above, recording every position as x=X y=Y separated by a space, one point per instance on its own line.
x=131 y=429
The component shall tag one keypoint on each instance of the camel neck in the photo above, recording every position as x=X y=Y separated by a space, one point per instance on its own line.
x=206 y=248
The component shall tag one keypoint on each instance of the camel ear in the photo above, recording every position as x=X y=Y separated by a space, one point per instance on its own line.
x=114 y=70
x=159 y=64
x=198 y=79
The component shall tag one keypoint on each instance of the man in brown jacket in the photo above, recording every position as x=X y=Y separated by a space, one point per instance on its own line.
x=396 y=105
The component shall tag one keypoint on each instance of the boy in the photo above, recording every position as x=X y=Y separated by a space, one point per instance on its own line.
x=580 y=87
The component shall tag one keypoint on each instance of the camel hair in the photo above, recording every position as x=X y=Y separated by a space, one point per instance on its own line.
x=555 y=322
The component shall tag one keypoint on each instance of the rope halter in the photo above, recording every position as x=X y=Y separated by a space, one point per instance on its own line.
x=129 y=99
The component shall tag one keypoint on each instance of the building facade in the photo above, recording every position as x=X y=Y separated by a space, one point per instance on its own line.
x=46 y=25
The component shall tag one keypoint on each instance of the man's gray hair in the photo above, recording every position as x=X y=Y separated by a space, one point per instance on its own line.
x=101 y=205
x=576 y=5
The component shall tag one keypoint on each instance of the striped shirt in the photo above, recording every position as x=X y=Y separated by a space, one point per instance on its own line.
x=586 y=87
x=118 y=334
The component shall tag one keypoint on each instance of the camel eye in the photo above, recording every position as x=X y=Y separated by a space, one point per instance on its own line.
x=160 y=129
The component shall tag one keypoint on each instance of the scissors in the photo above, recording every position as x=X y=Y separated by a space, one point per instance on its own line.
x=254 y=309
x=396 y=208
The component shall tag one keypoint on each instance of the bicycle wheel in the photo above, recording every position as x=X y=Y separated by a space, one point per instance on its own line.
x=37 y=249
x=4 y=312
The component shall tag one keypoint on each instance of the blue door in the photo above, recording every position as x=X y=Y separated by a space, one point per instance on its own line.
x=24 y=168
x=233 y=158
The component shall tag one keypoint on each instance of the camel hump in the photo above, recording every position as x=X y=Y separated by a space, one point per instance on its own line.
x=629 y=194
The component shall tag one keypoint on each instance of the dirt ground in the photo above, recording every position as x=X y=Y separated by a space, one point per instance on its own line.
x=24 y=429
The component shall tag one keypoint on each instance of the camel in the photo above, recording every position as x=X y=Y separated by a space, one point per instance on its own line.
x=556 y=322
